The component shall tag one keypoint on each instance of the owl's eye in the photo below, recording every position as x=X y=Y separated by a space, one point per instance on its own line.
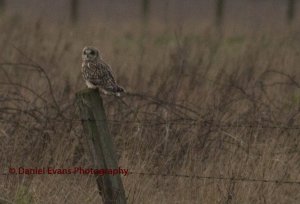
x=92 y=52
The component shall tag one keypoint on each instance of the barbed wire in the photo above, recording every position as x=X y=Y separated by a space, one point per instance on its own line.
x=208 y=123
x=195 y=122
x=237 y=179
x=218 y=178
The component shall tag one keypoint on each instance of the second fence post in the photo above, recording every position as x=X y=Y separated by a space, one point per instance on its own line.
x=100 y=145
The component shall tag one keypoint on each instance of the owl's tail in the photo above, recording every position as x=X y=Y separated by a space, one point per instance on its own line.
x=118 y=89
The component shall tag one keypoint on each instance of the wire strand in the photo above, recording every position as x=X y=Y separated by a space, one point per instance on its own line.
x=238 y=179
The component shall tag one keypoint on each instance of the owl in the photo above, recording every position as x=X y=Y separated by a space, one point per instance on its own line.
x=98 y=74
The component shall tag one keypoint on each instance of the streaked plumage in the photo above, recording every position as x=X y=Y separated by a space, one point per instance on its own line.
x=97 y=73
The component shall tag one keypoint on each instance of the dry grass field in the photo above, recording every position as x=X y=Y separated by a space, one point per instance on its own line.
x=213 y=116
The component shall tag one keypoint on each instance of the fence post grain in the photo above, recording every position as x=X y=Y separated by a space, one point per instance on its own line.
x=100 y=145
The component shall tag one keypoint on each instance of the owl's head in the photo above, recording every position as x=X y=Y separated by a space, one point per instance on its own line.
x=90 y=53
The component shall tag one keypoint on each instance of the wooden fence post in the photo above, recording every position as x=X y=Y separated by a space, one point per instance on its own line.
x=74 y=11
x=145 y=11
x=2 y=7
x=290 y=10
x=219 y=13
x=100 y=145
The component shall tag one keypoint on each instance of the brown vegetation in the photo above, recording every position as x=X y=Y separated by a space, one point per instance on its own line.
x=200 y=103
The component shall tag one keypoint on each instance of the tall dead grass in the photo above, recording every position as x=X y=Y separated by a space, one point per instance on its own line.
x=199 y=104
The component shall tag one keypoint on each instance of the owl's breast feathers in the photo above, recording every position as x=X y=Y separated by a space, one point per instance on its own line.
x=91 y=72
x=100 y=74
